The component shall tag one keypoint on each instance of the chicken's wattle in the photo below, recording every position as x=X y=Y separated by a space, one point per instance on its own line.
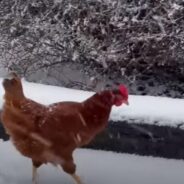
x=118 y=103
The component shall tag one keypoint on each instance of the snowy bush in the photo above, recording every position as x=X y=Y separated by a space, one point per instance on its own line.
x=109 y=38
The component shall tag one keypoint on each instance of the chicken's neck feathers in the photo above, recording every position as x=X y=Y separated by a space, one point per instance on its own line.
x=101 y=100
x=98 y=106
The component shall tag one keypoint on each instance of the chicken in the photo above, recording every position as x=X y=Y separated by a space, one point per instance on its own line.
x=50 y=134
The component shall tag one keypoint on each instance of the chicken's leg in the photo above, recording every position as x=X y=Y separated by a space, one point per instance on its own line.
x=70 y=168
x=34 y=175
x=35 y=166
x=76 y=179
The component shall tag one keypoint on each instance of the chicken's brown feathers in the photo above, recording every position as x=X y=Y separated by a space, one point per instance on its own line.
x=51 y=133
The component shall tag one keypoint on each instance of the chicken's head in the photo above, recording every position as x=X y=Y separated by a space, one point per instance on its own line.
x=13 y=86
x=120 y=96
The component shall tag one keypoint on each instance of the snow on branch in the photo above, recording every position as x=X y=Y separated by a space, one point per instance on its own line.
x=104 y=36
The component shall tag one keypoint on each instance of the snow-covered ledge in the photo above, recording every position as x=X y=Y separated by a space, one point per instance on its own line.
x=144 y=109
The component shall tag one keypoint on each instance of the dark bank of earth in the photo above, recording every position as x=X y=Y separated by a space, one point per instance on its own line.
x=142 y=139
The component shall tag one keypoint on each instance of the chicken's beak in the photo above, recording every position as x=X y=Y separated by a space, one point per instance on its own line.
x=126 y=102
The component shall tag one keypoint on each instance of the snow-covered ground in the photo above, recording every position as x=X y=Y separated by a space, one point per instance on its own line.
x=145 y=109
x=94 y=167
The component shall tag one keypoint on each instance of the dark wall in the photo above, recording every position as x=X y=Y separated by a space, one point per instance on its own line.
x=141 y=139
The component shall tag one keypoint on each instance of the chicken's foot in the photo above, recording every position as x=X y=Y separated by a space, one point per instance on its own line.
x=76 y=179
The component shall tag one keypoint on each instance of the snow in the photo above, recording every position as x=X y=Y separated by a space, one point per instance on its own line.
x=98 y=167
x=149 y=109
x=142 y=109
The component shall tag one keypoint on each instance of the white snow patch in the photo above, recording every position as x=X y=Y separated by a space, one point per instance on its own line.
x=98 y=167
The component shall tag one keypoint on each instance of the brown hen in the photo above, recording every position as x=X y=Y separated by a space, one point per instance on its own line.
x=50 y=134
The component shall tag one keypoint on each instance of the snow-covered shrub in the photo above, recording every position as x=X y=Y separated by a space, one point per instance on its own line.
x=110 y=38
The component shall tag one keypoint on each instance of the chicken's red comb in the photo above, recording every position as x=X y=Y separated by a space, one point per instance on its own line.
x=123 y=90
